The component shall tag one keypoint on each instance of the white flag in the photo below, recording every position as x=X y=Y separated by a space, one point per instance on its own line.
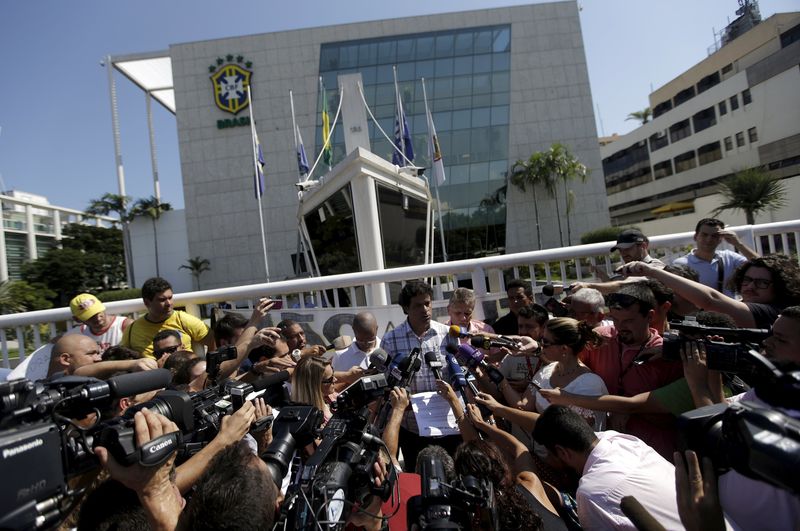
x=435 y=152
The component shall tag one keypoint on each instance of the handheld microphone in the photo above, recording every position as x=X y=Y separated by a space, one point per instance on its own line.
x=394 y=370
x=472 y=358
x=432 y=359
x=458 y=379
x=458 y=331
x=378 y=360
x=487 y=342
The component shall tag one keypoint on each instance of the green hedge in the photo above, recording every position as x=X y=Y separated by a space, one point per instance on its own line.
x=120 y=294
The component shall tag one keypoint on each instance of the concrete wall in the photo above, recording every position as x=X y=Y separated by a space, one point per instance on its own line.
x=173 y=250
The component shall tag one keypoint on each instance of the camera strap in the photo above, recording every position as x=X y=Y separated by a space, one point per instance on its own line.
x=155 y=452
x=720 y=273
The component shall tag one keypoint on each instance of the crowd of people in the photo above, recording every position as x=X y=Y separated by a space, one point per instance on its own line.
x=565 y=417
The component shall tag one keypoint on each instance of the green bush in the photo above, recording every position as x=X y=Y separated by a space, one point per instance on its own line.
x=120 y=294
x=603 y=234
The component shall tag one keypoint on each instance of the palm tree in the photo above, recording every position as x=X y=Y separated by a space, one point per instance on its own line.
x=151 y=207
x=197 y=266
x=548 y=168
x=643 y=116
x=752 y=190
x=117 y=204
x=9 y=303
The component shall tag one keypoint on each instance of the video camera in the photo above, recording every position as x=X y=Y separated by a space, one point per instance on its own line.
x=215 y=359
x=731 y=355
x=451 y=506
x=340 y=473
x=758 y=441
x=43 y=447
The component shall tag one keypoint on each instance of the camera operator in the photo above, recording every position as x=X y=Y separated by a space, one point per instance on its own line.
x=79 y=355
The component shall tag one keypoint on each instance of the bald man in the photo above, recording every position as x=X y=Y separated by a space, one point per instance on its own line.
x=349 y=364
x=80 y=355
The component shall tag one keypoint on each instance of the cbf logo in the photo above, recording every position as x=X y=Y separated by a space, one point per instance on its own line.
x=230 y=81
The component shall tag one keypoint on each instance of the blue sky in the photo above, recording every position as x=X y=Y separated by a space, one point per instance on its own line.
x=54 y=107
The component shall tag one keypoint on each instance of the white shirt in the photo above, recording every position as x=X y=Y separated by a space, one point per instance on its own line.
x=588 y=384
x=352 y=356
x=621 y=465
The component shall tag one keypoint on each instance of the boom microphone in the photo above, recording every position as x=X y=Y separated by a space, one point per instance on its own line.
x=136 y=383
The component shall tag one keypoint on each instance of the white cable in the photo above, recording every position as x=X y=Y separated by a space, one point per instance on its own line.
x=364 y=100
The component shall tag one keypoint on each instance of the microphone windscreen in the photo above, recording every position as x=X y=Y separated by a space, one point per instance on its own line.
x=457 y=377
x=378 y=359
x=548 y=290
x=431 y=357
x=468 y=352
x=457 y=331
x=479 y=342
x=270 y=380
x=342 y=342
x=135 y=383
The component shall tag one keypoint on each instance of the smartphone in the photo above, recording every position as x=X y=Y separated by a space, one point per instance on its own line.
x=277 y=305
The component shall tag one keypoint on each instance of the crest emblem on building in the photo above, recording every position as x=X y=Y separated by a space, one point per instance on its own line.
x=230 y=81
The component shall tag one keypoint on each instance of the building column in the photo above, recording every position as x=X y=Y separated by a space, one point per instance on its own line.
x=30 y=233
x=57 y=226
x=3 y=258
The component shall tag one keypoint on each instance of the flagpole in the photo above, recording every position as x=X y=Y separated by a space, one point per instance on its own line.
x=399 y=113
x=325 y=141
x=256 y=169
x=435 y=180
x=294 y=123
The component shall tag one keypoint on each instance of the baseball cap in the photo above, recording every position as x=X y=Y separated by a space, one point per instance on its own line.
x=85 y=306
x=629 y=238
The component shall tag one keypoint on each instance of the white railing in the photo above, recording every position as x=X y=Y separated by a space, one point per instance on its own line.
x=487 y=276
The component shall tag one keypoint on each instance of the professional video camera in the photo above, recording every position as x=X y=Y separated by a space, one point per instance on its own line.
x=758 y=441
x=340 y=473
x=731 y=355
x=198 y=415
x=43 y=446
x=215 y=359
x=458 y=505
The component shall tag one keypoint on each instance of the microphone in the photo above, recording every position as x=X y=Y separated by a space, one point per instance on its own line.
x=378 y=360
x=549 y=290
x=270 y=380
x=487 y=342
x=136 y=383
x=637 y=514
x=458 y=379
x=432 y=359
x=458 y=331
x=472 y=358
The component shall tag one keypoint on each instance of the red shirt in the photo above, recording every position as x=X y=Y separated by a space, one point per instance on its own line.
x=613 y=362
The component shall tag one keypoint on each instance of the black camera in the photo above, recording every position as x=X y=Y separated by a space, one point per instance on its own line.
x=456 y=505
x=215 y=359
x=42 y=449
x=341 y=470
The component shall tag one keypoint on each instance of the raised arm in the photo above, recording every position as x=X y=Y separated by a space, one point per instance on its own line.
x=641 y=403
x=698 y=294
x=741 y=248
x=399 y=399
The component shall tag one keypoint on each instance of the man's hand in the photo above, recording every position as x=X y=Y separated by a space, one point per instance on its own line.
x=369 y=516
x=527 y=346
x=693 y=355
x=263 y=437
x=444 y=390
x=698 y=501
x=312 y=350
x=147 y=481
x=555 y=396
x=234 y=427
x=351 y=375
x=266 y=336
x=283 y=363
x=487 y=400
x=636 y=269
x=260 y=310
x=144 y=364
x=399 y=399
x=477 y=419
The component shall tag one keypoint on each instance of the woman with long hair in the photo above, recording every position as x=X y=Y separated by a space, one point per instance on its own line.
x=312 y=383
x=767 y=284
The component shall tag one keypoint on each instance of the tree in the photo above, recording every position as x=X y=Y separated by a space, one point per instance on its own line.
x=118 y=204
x=643 y=116
x=548 y=168
x=151 y=207
x=752 y=190
x=197 y=266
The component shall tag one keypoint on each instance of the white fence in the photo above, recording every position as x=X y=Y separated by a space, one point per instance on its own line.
x=325 y=305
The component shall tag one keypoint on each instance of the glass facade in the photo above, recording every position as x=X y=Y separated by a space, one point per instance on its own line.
x=467 y=79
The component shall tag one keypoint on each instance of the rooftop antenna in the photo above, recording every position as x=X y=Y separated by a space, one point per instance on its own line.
x=600 y=117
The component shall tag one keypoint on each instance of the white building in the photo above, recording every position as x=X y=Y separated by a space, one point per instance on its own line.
x=738 y=108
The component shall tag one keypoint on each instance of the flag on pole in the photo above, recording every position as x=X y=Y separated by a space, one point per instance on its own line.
x=327 y=155
x=402 y=137
x=259 y=164
x=302 y=161
x=435 y=152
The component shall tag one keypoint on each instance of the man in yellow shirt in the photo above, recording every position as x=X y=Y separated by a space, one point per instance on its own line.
x=157 y=295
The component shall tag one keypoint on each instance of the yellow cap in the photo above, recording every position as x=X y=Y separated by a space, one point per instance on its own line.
x=85 y=306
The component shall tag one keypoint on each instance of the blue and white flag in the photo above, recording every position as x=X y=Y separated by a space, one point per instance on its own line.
x=259 y=167
x=302 y=161
x=402 y=137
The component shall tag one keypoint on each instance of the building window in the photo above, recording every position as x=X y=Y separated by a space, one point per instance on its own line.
x=709 y=153
x=683 y=96
x=680 y=130
x=704 y=119
x=734 y=102
x=746 y=98
x=658 y=141
x=662 y=169
x=707 y=82
x=727 y=68
x=728 y=143
x=790 y=36
x=685 y=161
x=661 y=108
x=723 y=108
x=752 y=135
x=739 y=139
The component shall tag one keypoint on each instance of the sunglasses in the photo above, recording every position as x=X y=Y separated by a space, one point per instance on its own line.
x=328 y=381
x=166 y=350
